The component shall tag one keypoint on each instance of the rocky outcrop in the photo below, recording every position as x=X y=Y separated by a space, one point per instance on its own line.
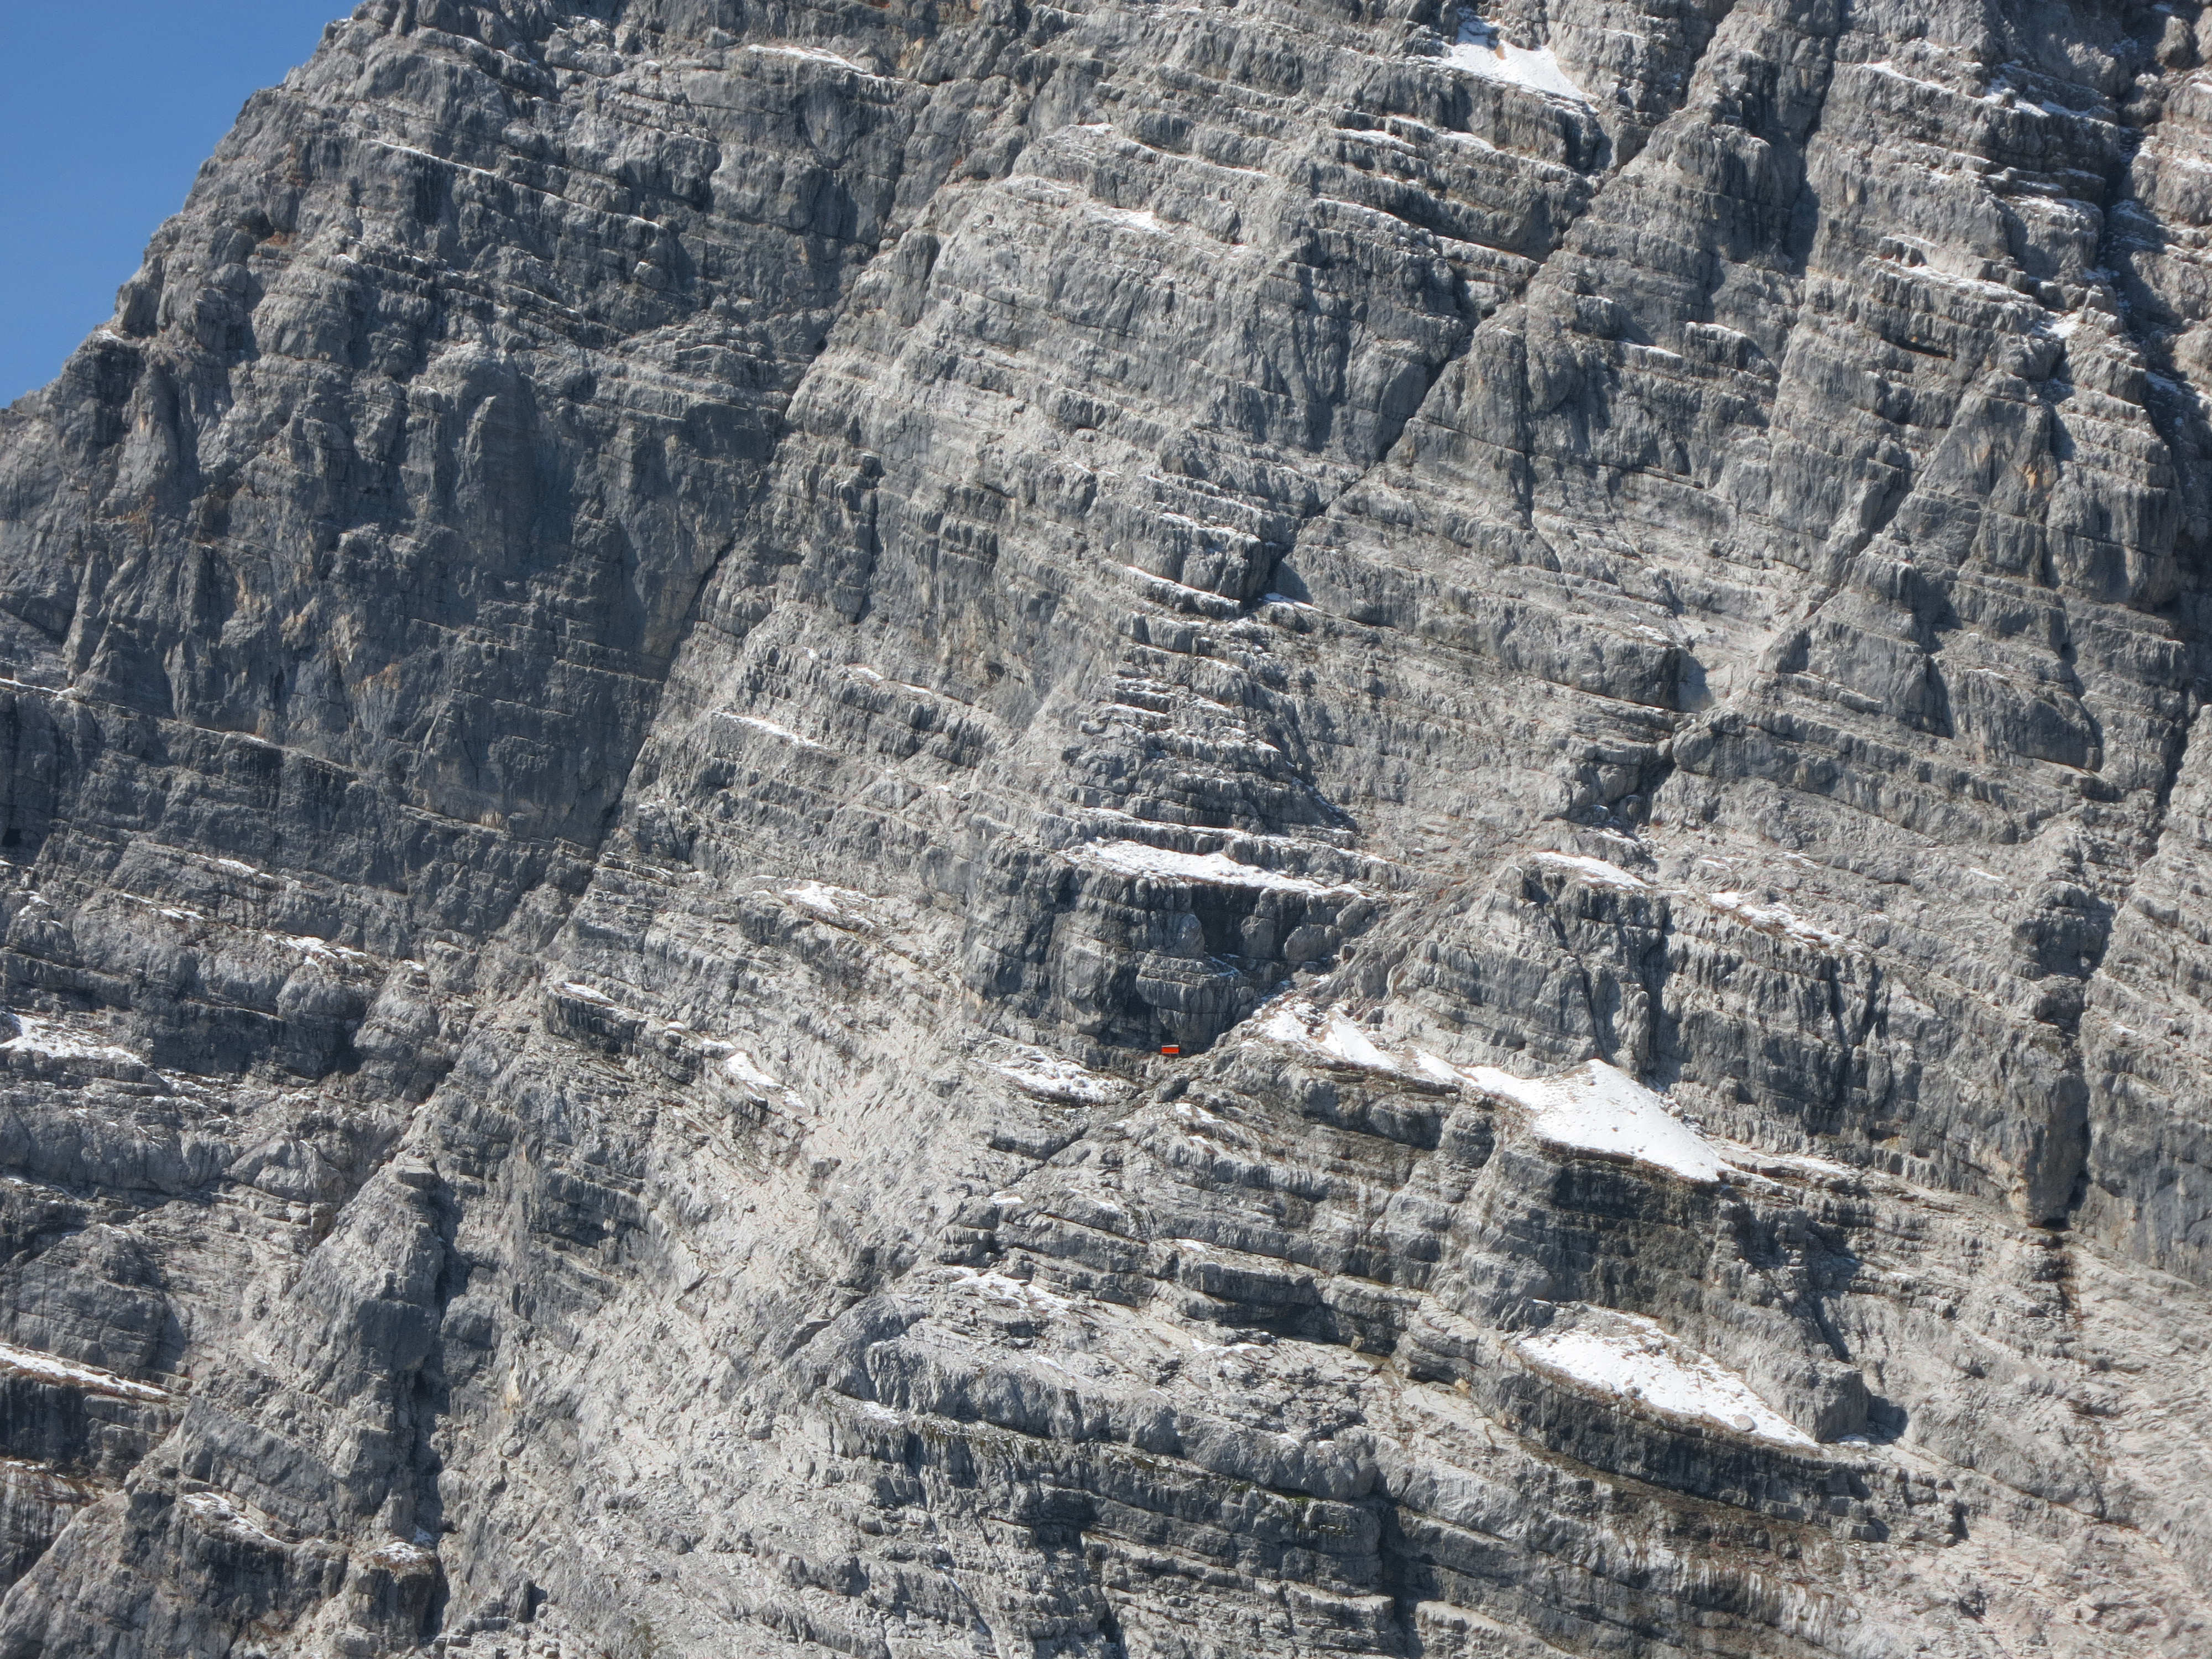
x=665 y=645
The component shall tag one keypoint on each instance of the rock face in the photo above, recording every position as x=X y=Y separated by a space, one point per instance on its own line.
x=667 y=641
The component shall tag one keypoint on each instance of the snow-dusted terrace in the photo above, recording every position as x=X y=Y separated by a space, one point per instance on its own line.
x=1633 y=1358
x=1598 y=1107
x=1481 y=50
x=1135 y=858
x=50 y=1367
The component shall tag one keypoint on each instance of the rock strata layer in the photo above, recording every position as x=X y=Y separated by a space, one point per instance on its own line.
x=667 y=642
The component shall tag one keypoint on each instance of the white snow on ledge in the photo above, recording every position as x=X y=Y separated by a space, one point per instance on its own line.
x=1049 y=1077
x=1633 y=1358
x=1479 y=51
x=747 y=1073
x=814 y=55
x=1594 y=1108
x=58 y=1042
x=998 y=1287
x=48 y=1368
x=1599 y=1109
x=830 y=903
x=1776 y=918
x=1141 y=219
x=1335 y=1034
x=398 y=1555
x=1135 y=858
x=224 y=1518
x=1596 y=871
x=783 y=733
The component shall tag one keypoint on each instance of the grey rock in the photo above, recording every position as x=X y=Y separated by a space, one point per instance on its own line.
x=664 y=645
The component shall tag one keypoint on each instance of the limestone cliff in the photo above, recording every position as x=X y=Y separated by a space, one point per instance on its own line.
x=668 y=640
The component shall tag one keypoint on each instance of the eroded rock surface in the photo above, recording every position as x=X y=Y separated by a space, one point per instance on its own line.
x=666 y=642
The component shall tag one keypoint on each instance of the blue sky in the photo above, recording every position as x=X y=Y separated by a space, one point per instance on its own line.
x=108 y=108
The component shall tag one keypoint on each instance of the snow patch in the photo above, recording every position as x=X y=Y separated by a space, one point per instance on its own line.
x=1481 y=50
x=1777 y=918
x=1049 y=1077
x=874 y=678
x=746 y=1070
x=57 y=1041
x=1197 y=1122
x=1135 y=858
x=398 y=1555
x=320 y=949
x=1633 y=1358
x=1014 y=1291
x=1334 y=1034
x=1596 y=871
x=1436 y=1067
x=783 y=733
x=813 y=55
x=1230 y=532
x=821 y=898
x=1597 y=1107
x=1141 y=219
x=226 y=1518
x=1811 y=1165
x=1376 y=136
x=1884 y=66
x=47 y=1368
x=2005 y=95
x=175 y=912
x=448 y=161
x=1593 y=1108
